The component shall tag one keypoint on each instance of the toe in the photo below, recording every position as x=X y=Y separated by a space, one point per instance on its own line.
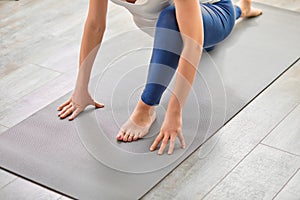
x=130 y=138
x=254 y=12
x=120 y=135
x=135 y=137
x=125 y=138
x=258 y=12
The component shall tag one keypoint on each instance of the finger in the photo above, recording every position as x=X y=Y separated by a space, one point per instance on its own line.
x=67 y=113
x=64 y=104
x=75 y=114
x=172 y=144
x=98 y=105
x=163 y=144
x=181 y=139
x=64 y=109
x=156 y=141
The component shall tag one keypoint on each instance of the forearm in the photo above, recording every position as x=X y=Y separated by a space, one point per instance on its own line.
x=92 y=37
x=189 y=18
x=90 y=44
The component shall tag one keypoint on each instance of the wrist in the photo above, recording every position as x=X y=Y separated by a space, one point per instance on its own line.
x=81 y=91
x=79 y=88
x=174 y=106
x=172 y=113
x=82 y=81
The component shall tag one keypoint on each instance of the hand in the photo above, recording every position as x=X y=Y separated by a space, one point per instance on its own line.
x=76 y=104
x=171 y=128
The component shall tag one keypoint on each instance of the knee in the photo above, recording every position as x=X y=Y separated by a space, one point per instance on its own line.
x=167 y=19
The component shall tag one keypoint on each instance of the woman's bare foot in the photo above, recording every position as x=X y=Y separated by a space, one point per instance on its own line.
x=139 y=123
x=247 y=9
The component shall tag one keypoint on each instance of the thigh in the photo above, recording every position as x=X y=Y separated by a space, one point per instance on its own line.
x=218 y=21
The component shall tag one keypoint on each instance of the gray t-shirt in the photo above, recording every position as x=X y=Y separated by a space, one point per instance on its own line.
x=145 y=12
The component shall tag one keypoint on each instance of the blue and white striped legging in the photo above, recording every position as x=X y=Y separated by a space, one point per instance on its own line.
x=218 y=21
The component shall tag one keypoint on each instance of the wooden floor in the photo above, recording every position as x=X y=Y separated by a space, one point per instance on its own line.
x=255 y=156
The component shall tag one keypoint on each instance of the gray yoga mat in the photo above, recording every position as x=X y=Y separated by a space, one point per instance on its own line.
x=82 y=159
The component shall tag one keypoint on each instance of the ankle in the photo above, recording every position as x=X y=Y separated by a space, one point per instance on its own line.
x=143 y=107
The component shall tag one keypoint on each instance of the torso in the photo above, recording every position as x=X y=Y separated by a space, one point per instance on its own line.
x=145 y=12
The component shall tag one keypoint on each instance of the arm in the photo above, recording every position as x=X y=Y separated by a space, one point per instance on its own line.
x=189 y=19
x=191 y=27
x=92 y=37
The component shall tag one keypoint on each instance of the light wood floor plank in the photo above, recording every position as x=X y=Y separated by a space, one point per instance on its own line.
x=287 y=135
x=6 y=178
x=23 y=190
x=292 y=189
x=34 y=101
x=259 y=176
x=24 y=80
